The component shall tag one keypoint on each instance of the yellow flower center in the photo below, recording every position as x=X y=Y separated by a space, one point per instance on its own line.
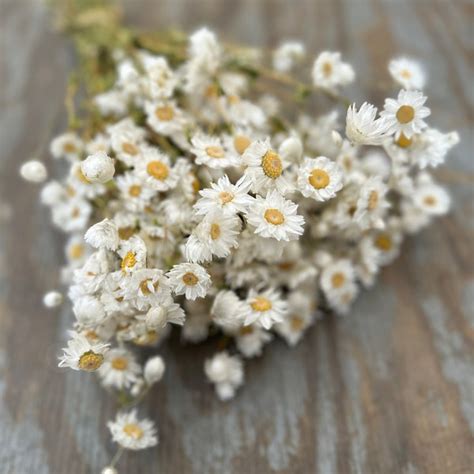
x=241 y=143
x=128 y=261
x=91 y=335
x=430 y=200
x=274 y=216
x=144 y=286
x=403 y=141
x=318 y=178
x=215 y=151
x=190 y=279
x=225 y=197
x=405 y=114
x=261 y=304
x=233 y=99
x=286 y=266
x=119 y=363
x=125 y=232
x=148 y=339
x=296 y=323
x=212 y=91
x=373 y=200
x=133 y=431
x=246 y=330
x=215 y=231
x=338 y=280
x=405 y=73
x=196 y=184
x=158 y=170
x=135 y=190
x=327 y=69
x=384 y=242
x=165 y=113
x=272 y=165
x=76 y=251
x=130 y=148
x=90 y=361
x=69 y=147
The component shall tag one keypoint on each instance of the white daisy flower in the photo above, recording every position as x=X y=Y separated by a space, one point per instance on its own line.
x=155 y=171
x=431 y=147
x=112 y=103
x=81 y=186
x=341 y=302
x=287 y=55
x=320 y=178
x=230 y=198
x=226 y=372
x=227 y=310
x=98 y=168
x=146 y=286
x=164 y=117
x=80 y=354
x=104 y=234
x=216 y=235
x=301 y=315
x=329 y=71
x=33 y=171
x=119 y=369
x=275 y=217
x=362 y=126
x=210 y=151
x=406 y=114
x=432 y=199
x=264 y=167
x=238 y=142
x=73 y=215
x=408 y=73
x=100 y=142
x=250 y=340
x=168 y=311
x=372 y=203
x=190 y=280
x=89 y=311
x=126 y=140
x=131 y=433
x=133 y=253
x=68 y=145
x=160 y=80
x=265 y=308
x=136 y=194
x=337 y=277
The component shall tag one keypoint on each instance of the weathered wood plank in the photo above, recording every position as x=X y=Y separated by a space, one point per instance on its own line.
x=388 y=389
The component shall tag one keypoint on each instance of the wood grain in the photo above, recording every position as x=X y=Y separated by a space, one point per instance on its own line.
x=389 y=389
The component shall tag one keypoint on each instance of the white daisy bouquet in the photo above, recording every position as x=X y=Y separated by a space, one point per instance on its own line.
x=211 y=188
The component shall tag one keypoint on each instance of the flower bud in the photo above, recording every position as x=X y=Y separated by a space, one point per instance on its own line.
x=336 y=138
x=156 y=318
x=291 y=149
x=154 y=370
x=52 y=299
x=98 y=168
x=109 y=470
x=33 y=171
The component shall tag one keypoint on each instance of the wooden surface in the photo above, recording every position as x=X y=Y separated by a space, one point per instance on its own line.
x=388 y=389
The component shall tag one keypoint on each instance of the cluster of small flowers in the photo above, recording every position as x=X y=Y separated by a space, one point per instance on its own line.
x=212 y=213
